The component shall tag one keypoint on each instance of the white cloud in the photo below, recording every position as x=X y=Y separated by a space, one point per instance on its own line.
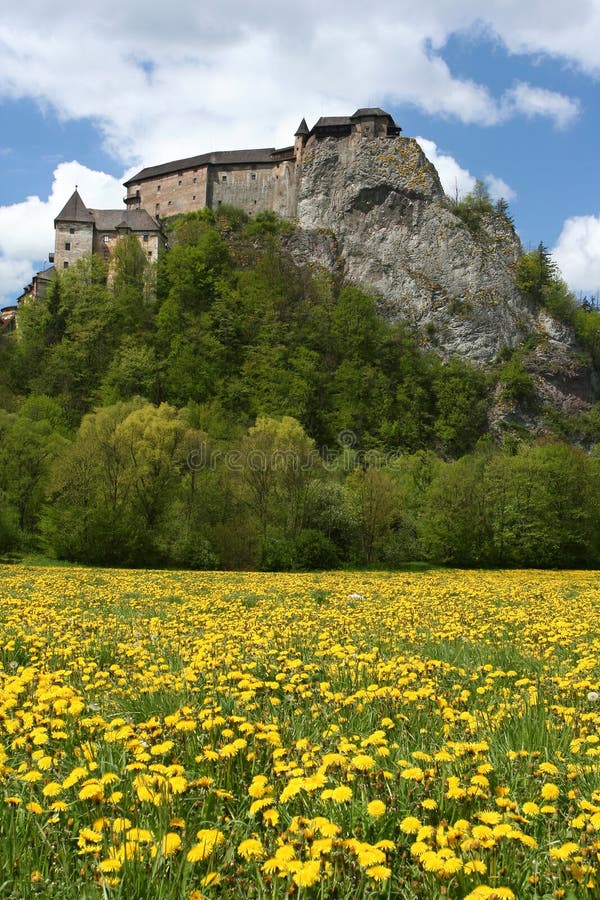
x=457 y=181
x=536 y=101
x=498 y=188
x=237 y=69
x=577 y=253
x=27 y=228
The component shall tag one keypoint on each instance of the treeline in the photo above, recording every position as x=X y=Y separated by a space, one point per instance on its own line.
x=229 y=322
x=229 y=408
x=140 y=484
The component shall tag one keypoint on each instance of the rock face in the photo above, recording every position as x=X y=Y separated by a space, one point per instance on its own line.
x=396 y=234
x=375 y=211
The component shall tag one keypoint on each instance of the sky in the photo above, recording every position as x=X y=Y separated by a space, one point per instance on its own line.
x=507 y=92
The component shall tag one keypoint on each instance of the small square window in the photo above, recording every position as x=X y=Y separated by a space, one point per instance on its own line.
x=253 y=176
x=71 y=231
x=193 y=196
x=145 y=237
x=105 y=238
x=65 y=264
x=157 y=188
x=67 y=245
x=179 y=182
x=169 y=203
x=223 y=177
x=195 y=179
x=149 y=254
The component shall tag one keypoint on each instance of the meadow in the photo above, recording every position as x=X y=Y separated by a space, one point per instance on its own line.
x=339 y=735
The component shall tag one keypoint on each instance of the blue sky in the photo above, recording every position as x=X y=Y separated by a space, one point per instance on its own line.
x=509 y=93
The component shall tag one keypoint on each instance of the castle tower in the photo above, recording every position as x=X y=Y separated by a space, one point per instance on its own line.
x=73 y=232
x=300 y=139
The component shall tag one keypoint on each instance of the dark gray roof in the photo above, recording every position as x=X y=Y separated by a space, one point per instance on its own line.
x=45 y=274
x=326 y=121
x=370 y=111
x=217 y=158
x=74 y=210
x=136 y=219
x=302 y=128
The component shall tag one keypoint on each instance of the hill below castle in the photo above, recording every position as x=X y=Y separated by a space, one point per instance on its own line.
x=376 y=212
x=388 y=378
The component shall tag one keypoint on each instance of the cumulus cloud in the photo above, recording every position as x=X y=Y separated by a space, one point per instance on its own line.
x=457 y=181
x=27 y=228
x=498 y=188
x=237 y=69
x=577 y=253
x=536 y=101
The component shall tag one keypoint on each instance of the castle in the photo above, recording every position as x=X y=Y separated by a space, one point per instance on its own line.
x=252 y=180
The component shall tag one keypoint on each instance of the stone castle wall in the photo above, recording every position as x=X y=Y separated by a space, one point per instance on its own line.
x=169 y=195
x=71 y=243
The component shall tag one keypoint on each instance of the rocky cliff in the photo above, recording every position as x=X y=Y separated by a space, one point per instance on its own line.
x=374 y=210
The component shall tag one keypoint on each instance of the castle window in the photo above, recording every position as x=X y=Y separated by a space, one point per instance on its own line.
x=253 y=176
x=145 y=237
x=157 y=207
x=179 y=182
x=157 y=188
x=193 y=196
x=149 y=254
x=71 y=231
x=105 y=238
x=169 y=203
x=195 y=179
x=67 y=245
x=65 y=264
x=223 y=177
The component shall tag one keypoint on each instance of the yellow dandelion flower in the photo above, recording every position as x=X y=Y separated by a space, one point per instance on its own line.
x=170 y=843
x=307 y=873
x=341 y=794
x=363 y=762
x=530 y=808
x=212 y=879
x=410 y=825
x=208 y=839
x=52 y=789
x=475 y=865
x=251 y=848
x=112 y=864
x=489 y=817
x=378 y=873
x=376 y=808
x=370 y=856
x=271 y=817
x=565 y=851
x=550 y=791
x=34 y=808
x=413 y=773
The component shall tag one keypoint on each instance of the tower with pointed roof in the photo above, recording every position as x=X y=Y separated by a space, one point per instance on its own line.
x=79 y=231
x=73 y=232
x=300 y=139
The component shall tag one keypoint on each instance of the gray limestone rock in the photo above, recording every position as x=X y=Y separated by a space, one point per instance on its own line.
x=375 y=211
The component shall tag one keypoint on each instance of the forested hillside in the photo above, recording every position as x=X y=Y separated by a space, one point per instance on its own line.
x=230 y=408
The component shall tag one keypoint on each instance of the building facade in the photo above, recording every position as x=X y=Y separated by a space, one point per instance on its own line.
x=79 y=231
